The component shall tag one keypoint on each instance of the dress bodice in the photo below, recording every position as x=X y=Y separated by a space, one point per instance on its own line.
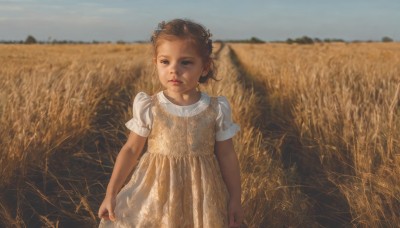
x=183 y=136
x=178 y=181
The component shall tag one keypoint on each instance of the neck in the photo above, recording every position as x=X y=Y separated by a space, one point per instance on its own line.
x=183 y=99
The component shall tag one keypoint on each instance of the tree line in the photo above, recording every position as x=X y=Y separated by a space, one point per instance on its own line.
x=300 y=40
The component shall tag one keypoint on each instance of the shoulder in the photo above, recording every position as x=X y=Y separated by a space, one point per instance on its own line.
x=217 y=100
x=142 y=101
x=222 y=105
x=223 y=101
x=225 y=127
x=142 y=97
x=141 y=121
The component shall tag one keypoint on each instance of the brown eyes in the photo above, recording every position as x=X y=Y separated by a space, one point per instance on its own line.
x=184 y=62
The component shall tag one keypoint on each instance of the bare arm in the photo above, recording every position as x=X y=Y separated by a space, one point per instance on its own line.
x=126 y=159
x=230 y=171
x=229 y=166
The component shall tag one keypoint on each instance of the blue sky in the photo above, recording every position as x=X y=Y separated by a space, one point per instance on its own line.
x=227 y=19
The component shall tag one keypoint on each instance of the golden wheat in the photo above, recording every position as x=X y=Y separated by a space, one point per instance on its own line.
x=341 y=101
x=318 y=146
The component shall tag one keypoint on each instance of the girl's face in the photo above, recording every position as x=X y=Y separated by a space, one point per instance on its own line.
x=179 y=66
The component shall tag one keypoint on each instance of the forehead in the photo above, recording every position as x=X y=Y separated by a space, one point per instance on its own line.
x=177 y=46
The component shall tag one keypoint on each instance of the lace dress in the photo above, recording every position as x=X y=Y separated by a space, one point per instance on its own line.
x=177 y=182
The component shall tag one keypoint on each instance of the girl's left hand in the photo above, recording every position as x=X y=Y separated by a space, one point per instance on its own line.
x=235 y=211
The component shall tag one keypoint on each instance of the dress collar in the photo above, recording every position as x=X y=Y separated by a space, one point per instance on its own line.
x=204 y=100
x=188 y=110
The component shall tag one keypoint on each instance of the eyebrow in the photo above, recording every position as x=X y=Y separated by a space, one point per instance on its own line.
x=184 y=57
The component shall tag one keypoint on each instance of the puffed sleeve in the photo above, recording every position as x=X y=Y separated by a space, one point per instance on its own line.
x=226 y=128
x=142 y=117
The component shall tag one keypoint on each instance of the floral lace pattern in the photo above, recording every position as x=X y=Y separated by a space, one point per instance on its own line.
x=177 y=182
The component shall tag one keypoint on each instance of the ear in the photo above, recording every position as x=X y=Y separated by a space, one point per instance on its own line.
x=204 y=73
x=206 y=69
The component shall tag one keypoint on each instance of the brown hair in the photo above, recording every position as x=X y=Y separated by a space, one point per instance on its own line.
x=187 y=29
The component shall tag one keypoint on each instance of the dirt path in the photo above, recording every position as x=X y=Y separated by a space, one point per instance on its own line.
x=330 y=209
x=268 y=192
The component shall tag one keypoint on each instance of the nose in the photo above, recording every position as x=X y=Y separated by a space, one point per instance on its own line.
x=174 y=69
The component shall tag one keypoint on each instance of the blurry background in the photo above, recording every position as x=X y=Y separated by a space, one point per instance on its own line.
x=269 y=20
x=314 y=86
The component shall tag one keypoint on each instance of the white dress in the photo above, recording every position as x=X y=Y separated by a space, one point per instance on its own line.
x=177 y=182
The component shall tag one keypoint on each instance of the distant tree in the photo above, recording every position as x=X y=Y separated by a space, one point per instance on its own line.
x=30 y=40
x=338 y=40
x=304 y=40
x=334 y=40
x=387 y=39
x=256 y=40
x=289 y=41
x=317 y=40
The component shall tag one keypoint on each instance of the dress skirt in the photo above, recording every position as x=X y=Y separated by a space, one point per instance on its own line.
x=168 y=191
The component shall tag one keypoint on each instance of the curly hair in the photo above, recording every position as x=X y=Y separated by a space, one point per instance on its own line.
x=187 y=29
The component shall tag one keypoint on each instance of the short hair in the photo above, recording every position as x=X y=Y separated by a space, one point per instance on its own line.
x=187 y=29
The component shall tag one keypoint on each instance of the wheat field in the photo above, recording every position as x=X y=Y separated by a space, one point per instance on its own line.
x=318 y=147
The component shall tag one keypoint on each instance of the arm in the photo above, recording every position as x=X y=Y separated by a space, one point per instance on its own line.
x=229 y=166
x=126 y=159
x=230 y=171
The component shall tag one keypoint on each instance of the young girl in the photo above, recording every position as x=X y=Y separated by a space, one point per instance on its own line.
x=189 y=175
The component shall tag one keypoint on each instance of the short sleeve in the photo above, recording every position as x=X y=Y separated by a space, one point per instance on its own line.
x=225 y=127
x=142 y=117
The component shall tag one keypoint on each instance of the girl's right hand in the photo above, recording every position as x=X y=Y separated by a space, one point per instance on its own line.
x=106 y=210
